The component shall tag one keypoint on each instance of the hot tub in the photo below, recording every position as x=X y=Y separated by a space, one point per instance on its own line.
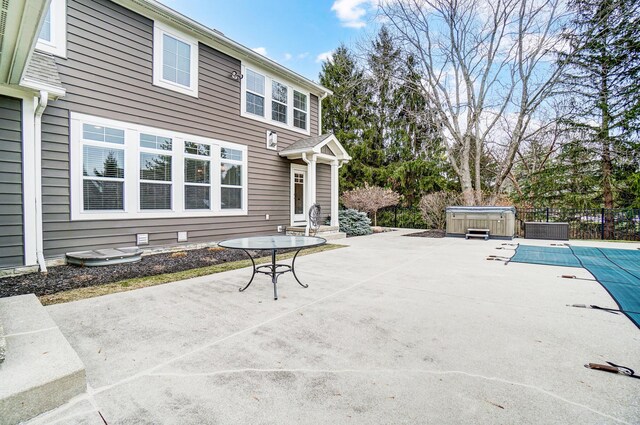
x=500 y=221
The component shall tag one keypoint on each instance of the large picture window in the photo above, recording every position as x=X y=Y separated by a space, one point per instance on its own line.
x=122 y=170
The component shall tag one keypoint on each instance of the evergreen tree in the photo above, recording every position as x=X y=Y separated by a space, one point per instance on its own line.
x=603 y=81
x=344 y=113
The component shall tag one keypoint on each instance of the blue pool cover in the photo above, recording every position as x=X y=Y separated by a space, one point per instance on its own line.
x=617 y=270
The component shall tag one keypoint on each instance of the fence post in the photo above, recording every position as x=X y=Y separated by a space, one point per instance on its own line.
x=547 y=214
x=395 y=216
x=602 y=223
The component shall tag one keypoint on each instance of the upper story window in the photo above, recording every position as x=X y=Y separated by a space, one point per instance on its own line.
x=255 y=93
x=279 y=99
x=53 y=33
x=299 y=110
x=273 y=101
x=175 y=61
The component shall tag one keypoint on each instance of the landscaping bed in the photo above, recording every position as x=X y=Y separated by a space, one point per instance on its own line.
x=69 y=278
x=429 y=234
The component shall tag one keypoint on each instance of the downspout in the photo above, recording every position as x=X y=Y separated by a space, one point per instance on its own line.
x=41 y=104
x=304 y=158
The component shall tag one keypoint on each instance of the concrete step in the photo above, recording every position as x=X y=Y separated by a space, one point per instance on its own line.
x=334 y=236
x=40 y=371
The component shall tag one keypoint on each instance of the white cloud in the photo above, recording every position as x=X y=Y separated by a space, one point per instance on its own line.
x=324 y=56
x=302 y=55
x=260 y=50
x=287 y=56
x=351 y=12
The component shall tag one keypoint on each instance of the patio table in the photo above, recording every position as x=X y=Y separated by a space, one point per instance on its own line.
x=273 y=243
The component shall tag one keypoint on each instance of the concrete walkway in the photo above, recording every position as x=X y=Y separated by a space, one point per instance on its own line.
x=392 y=330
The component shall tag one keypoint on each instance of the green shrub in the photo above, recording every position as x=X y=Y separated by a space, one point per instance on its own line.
x=354 y=223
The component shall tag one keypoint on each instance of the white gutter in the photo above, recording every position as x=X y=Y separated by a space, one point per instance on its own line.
x=40 y=105
x=177 y=20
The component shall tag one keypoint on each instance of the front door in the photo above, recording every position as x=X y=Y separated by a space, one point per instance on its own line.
x=298 y=194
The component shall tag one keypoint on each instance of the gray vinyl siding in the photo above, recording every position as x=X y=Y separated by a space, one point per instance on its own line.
x=108 y=73
x=323 y=190
x=11 y=216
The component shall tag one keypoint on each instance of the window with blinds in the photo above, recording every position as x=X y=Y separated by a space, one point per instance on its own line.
x=155 y=173
x=102 y=168
x=197 y=176
x=231 y=178
x=122 y=170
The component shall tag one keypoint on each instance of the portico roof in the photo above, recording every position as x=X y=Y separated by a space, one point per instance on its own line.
x=324 y=147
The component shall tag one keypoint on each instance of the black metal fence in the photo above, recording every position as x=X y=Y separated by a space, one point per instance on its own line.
x=406 y=217
x=598 y=223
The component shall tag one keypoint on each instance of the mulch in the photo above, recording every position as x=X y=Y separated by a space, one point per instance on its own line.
x=63 y=278
x=428 y=234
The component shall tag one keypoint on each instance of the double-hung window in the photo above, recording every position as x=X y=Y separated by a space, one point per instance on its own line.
x=102 y=168
x=122 y=170
x=255 y=93
x=197 y=176
x=155 y=172
x=53 y=32
x=175 y=61
x=279 y=99
x=231 y=178
x=299 y=110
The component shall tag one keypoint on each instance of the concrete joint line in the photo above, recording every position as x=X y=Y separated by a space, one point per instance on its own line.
x=392 y=371
x=149 y=371
x=31 y=332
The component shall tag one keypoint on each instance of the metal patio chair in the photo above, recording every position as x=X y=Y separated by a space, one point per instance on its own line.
x=313 y=224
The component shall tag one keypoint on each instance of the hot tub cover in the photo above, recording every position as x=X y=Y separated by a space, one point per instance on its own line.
x=481 y=210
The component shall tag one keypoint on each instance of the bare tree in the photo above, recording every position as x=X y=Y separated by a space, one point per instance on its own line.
x=433 y=206
x=370 y=199
x=484 y=63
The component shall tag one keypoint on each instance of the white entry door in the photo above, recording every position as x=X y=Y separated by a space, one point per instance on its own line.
x=298 y=193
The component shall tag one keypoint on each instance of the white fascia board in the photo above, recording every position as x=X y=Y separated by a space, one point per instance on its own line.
x=158 y=11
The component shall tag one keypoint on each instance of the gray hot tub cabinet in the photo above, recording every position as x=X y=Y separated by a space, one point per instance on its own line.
x=500 y=221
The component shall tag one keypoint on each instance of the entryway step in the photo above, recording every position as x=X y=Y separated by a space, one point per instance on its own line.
x=40 y=371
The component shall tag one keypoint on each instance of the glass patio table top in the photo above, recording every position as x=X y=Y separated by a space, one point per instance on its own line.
x=273 y=242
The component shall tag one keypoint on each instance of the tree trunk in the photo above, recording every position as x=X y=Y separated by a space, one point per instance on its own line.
x=606 y=162
x=466 y=183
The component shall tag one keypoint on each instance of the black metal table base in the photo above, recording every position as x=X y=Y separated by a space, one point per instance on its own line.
x=274 y=270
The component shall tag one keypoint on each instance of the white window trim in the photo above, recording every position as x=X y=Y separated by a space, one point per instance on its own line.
x=58 y=44
x=158 y=31
x=132 y=172
x=267 y=100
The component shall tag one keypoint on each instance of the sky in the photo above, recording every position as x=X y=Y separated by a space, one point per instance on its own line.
x=298 y=34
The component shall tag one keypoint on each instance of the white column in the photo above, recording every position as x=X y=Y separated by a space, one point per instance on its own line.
x=334 y=193
x=311 y=180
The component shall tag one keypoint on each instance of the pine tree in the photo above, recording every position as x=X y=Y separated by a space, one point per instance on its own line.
x=344 y=113
x=603 y=81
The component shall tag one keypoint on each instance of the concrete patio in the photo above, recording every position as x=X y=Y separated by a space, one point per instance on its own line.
x=392 y=330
